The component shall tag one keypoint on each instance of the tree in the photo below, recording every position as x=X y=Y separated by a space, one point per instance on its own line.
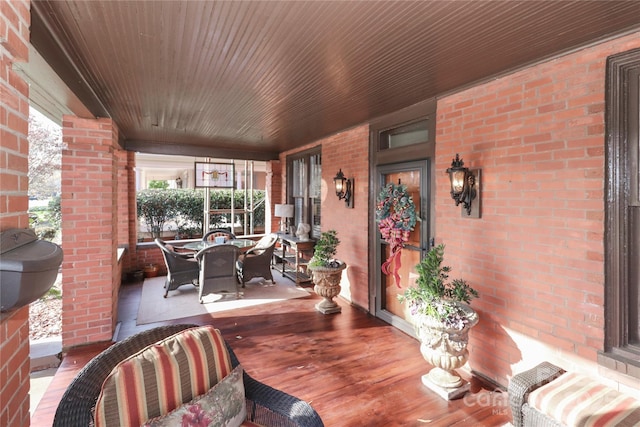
x=45 y=155
x=158 y=185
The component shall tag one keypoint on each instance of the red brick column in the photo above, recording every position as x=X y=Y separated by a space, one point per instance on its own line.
x=89 y=230
x=123 y=197
x=132 y=216
x=14 y=154
x=274 y=189
x=127 y=236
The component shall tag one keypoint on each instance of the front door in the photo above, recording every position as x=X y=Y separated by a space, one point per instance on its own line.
x=415 y=176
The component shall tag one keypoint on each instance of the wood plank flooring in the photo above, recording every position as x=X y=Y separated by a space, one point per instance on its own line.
x=354 y=369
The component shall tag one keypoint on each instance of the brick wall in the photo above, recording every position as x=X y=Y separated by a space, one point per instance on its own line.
x=536 y=255
x=123 y=197
x=14 y=153
x=348 y=151
x=89 y=216
x=150 y=253
x=132 y=214
x=275 y=192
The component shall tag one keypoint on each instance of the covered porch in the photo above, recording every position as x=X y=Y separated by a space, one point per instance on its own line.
x=525 y=91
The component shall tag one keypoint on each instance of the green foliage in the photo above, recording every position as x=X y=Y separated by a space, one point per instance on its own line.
x=55 y=212
x=189 y=212
x=155 y=208
x=53 y=293
x=324 y=250
x=158 y=185
x=185 y=207
x=46 y=220
x=221 y=199
x=433 y=295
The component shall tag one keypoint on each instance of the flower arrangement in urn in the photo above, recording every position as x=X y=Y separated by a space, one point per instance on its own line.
x=434 y=296
x=326 y=271
x=442 y=320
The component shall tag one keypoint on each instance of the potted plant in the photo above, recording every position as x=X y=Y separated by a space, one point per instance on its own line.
x=150 y=270
x=442 y=320
x=326 y=271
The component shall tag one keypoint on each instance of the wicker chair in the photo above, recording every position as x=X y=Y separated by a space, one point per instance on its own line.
x=182 y=269
x=218 y=270
x=256 y=262
x=218 y=232
x=524 y=383
x=265 y=405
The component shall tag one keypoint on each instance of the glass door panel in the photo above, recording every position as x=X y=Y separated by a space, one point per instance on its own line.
x=410 y=255
x=388 y=308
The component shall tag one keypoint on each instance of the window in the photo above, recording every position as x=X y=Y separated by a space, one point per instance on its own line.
x=622 y=215
x=402 y=136
x=304 y=177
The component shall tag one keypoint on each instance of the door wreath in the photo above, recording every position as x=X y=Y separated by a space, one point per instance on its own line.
x=396 y=217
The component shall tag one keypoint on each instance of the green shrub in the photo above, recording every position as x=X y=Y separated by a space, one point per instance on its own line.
x=158 y=185
x=156 y=208
x=46 y=220
x=185 y=208
x=55 y=213
x=188 y=210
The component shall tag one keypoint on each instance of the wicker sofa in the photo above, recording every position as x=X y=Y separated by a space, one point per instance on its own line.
x=546 y=395
x=265 y=405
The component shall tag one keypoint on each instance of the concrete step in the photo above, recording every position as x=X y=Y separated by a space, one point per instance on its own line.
x=45 y=353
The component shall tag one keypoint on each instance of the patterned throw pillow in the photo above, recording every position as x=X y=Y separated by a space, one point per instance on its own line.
x=224 y=405
x=162 y=377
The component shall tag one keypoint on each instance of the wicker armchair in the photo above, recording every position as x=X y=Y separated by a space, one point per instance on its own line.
x=265 y=405
x=182 y=269
x=218 y=272
x=524 y=383
x=256 y=262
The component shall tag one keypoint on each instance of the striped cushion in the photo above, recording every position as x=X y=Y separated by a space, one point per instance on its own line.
x=162 y=377
x=577 y=400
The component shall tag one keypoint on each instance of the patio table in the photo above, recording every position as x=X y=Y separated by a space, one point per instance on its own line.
x=243 y=244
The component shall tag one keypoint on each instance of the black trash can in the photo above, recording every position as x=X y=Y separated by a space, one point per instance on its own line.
x=28 y=267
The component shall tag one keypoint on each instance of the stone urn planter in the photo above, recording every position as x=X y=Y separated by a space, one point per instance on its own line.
x=326 y=281
x=326 y=271
x=445 y=348
x=442 y=319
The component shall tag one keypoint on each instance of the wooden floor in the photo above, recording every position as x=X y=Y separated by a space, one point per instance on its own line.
x=354 y=369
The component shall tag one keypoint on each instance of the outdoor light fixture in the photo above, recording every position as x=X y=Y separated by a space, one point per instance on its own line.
x=465 y=186
x=283 y=212
x=178 y=182
x=344 y=188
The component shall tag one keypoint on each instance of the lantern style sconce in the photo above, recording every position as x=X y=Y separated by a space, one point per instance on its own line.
x=465 y=187
x=178 y=182
x=344 y=188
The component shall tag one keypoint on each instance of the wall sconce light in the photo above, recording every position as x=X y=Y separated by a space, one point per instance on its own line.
x=465 y=187
x=178 y=182
x=344 y=188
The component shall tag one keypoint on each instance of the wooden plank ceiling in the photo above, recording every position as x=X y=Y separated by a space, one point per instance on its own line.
x=251 y=79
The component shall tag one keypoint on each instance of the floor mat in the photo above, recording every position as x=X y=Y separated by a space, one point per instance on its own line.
x=183 y=302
